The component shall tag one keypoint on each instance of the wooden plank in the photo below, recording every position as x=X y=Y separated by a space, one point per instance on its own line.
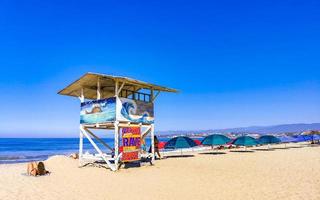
x=97 y=138
x=80 y=148
x=90 y=80
x=112 y=167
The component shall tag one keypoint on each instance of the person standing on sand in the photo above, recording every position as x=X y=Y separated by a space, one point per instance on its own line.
x=156 y=146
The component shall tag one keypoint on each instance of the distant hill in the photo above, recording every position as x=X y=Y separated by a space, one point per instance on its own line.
x=276 y=129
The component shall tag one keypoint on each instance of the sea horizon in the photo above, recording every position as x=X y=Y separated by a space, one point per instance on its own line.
x=21 y=150
x=17 y=150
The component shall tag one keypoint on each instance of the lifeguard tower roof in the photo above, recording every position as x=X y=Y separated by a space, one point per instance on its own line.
x=89 y=83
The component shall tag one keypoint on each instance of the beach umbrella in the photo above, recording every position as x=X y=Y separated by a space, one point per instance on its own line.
x=245 y=141
x=198 y=142
x=316 y=137
x=215 y=139
x=231 y=141
x=308 y=137
x=296 y=139
x=303 y=138
x=161 y=145
x=179 y=143
x=311 y=137
x=268 y=139
x=287 y=139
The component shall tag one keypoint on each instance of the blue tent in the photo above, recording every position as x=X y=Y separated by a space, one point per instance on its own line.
x=179 y=143
x=245 y=141
x=316 y=137
x=287 y=139
x=303 y=138
x=268 y=139
x=215 y=139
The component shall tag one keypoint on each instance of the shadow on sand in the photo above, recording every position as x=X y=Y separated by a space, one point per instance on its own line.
x=296 y=147
x=271 y=149
x=131 y=165
x=213 y=153
x=281 y=148
x=180 y=156
x=242 y=151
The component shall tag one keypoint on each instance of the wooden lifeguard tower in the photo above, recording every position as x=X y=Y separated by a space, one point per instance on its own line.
x=114 y=103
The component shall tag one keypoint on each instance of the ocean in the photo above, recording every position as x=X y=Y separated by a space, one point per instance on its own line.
x=17 y=150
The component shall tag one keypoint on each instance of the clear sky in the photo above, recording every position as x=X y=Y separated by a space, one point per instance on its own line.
x=236 y=63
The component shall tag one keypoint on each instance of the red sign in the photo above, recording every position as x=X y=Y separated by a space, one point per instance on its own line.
x=131 y=137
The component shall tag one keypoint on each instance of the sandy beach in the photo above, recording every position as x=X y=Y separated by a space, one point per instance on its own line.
x=291 y=173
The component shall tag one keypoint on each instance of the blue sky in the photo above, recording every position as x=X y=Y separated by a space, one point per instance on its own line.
x=236 y=63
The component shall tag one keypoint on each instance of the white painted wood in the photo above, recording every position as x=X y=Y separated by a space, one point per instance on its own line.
x=117 y=160
x=155 y=96
x=116 y=144
x=81 y=96
x=125 y=124
x=112 y=167
x=146 y=132
x=80 y=147
x=152 y=142
x=97 y=138
x=98 y=89
x=116 y=88
x=119 y=90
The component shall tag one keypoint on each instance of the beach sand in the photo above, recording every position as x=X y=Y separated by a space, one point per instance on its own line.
x=292 y=173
